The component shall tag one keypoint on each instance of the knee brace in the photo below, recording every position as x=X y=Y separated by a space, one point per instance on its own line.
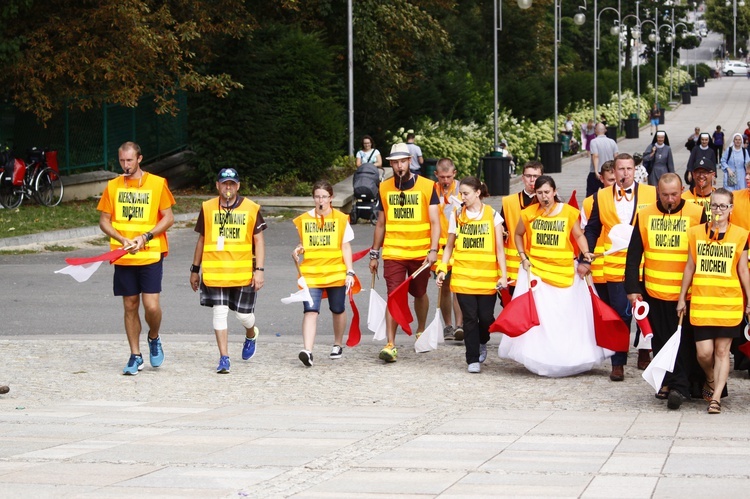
x=247 y=320
x=220 y=317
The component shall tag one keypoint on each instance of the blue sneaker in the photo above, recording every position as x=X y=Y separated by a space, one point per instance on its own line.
x=223 y=367
x=248 y=349
x=155 y=352
x=135 y=364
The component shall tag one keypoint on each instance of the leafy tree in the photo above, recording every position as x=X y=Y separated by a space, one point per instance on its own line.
x=285 y=120
x=85 y=52
x=719 y=18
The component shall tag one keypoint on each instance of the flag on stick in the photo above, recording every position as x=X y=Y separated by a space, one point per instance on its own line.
x=81 y=269
x=611 y=332
x=664 y=360
x=376 y=313
x=398 y=302
x=433 y=334
x=518 y=316
x=355 y=334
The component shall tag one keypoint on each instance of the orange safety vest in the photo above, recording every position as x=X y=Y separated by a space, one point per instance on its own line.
x=665 y=245
x=135 y=210
x=704 y=202
x=446 y=208
x=475 y=267
x=741 y=211
x=550 y=250
x=614 y=264
x=512 y=206
x=323 y=263
x=597 y=266
x=407 y=228
x=717 y=294
x=232 y=266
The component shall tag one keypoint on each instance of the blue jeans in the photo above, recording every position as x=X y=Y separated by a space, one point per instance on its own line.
x=336 y=299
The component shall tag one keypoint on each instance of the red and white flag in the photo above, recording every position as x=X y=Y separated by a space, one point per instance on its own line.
x=81 y=269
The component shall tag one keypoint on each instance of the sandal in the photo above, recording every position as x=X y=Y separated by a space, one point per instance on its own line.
x=714 y=407
x=663 y=393
x=708 y=391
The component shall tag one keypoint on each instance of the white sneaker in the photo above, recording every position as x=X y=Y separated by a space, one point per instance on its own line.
x=475 y=367
x=482 y=353
x=336 y=352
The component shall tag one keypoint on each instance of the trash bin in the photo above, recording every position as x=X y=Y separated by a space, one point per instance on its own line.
x=631 y=128
x=496 y=171
x=550 y=154
x=565 y=138
x=694 y=89
x=633 y=116
x=700 y=81
x=661 y=115
x=686 y=97
x=612 y=132
x=428 y=168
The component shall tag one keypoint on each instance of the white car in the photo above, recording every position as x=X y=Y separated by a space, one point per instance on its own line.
x=703 y=33
x=734 y=67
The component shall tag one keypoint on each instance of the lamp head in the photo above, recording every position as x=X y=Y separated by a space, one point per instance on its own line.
x=579 y=18
x=615 y=30
x=652 y=37
x=668 y=39
x=524 y=4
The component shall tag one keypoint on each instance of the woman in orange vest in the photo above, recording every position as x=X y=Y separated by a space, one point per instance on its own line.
x=475 y=241
x=564 y=343
x=717 y=271
x=325 y=257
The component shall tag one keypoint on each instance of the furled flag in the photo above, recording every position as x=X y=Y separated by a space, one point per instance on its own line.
x=302 y=295
x=398 y=302
x=663 y=361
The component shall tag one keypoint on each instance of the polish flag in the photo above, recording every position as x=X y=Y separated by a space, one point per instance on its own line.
x=81 y=269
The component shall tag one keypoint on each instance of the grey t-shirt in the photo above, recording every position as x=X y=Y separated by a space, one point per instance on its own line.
x=416 y=153
x=606 y=148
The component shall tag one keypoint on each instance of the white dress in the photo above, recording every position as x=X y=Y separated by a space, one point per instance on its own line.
x=564 y=343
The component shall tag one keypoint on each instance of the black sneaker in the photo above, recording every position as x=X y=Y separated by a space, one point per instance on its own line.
x=675 y=400
x=306 y=357
x=336 y=352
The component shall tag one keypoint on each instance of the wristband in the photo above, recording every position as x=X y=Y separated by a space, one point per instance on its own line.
x=374 y=254
x=194 y=269
x=149 y=236
x=351 y=273
x=260 y=269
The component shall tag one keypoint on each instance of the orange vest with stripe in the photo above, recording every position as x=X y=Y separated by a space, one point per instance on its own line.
x=407 y=228
x=597 y=266
x=741 y=211
x=475 y=268
x=136 y=210
x=614 y=264
x=717 y=294
x=323 y=263
x=665 y=248
x=703 y=202
x=512 y=211
x=232 y=266
x=550 y=250
x=446 y=208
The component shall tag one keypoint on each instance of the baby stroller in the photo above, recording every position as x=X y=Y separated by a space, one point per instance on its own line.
x=366 y=201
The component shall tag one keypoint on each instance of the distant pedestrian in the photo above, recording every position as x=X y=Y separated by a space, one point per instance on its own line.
x=654 y=116
x=657 y=158
x=718 y=138
x=415 y=152
x=733 y=164
x=603 y=149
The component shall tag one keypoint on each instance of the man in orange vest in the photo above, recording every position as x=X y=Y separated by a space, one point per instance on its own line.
x=704 y=176
x=232 y=250
x=447 y=187
x=408 y=232
x=607 y=178
x=136 y=211
x=660 y=238
x=511 y=215
x=614 y=205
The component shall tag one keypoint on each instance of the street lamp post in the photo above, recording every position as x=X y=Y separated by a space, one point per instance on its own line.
x=578 y=19
x=636 y=32
x=497 y=26
x=654 y=37
x=615 y=30
x=734 y=4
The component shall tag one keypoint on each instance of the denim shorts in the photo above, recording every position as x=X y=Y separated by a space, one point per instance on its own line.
x=336 y=299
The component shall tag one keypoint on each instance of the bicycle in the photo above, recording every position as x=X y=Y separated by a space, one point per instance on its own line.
x=39 y=179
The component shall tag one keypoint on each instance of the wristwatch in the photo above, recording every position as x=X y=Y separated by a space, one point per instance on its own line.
x=194 y=269
x=149 y=236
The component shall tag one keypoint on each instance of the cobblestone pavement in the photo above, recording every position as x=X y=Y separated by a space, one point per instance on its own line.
x=73 y=426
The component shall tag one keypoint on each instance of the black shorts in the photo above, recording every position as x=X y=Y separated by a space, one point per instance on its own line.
x=132 y=280
x=238 y=298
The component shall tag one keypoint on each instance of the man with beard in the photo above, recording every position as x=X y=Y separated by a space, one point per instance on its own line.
x=408 y=232
x=660 y=237
x=700 y=194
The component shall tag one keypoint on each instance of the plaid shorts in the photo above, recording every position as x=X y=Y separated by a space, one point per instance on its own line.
x=238 y=298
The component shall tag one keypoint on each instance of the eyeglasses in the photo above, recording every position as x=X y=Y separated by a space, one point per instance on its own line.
x=721 y=207
x=531 y=176
x=322 y=198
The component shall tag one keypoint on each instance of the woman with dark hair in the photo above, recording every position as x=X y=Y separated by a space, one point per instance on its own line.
x=702 y=155
x=717 y=274
x=657 y=158
x=325 y=236
x=368 y=154
x=733 y=164
x=564 y=343
x=475 y=242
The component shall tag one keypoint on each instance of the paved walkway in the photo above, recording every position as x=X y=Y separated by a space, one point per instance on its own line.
x=72 y=426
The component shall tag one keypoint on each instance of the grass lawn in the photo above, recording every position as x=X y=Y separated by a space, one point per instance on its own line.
x=33 y=218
